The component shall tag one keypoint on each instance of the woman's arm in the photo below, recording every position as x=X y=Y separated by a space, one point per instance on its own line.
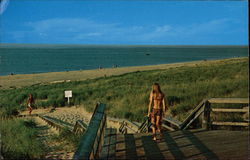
x=165 y=107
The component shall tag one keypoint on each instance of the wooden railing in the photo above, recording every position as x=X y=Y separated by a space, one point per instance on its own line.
x=204 y=109
x=144 y=128
x=128 y=127
x=209 y=124
x=171 y=124
x=92 y=140
x=78 y=128
x=131 y=127
x=56 y=123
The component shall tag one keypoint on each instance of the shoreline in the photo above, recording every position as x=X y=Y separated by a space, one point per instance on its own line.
x=23 y=80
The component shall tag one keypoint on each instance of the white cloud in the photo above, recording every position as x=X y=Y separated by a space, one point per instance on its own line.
x=67 y=24
x=164 y=28
x=77 y=30
x=3 y=5
x=188 y=31
x=82 y=29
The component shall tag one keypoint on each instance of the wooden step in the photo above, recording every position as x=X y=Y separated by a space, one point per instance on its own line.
x=109 y=145
x=229 y=110
x=244 y=124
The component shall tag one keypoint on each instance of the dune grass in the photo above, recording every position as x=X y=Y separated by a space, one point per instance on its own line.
x=19 y=139
x=127 y=95
x=67 y=140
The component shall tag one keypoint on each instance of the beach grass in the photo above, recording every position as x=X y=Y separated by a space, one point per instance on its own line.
x=127 y=95
x=19 y=139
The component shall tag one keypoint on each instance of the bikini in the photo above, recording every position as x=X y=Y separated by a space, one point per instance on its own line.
x=156 y=111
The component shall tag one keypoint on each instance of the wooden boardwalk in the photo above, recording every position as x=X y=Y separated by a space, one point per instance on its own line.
x=189 y=144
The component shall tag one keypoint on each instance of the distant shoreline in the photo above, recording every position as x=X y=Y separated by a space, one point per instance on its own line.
x=22 y=80
x=44 y=59
x=6 y=45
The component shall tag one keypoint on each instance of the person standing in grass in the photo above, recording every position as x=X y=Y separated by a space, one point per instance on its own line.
x=156 y=100
x=30 y=103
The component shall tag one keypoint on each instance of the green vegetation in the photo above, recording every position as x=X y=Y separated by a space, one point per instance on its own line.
x=127 y=95
x=19 y=139
x=67 y=140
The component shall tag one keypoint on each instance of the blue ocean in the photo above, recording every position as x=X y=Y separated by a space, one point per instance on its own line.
x=18 y=59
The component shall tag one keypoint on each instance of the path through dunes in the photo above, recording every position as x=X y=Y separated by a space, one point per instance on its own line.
x=195 y=144
x=70 y=114
x=67 y=114
x=181 y=144
x=53 y=148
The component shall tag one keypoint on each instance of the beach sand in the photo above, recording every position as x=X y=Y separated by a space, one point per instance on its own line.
x=22 y=80
x=70 y=115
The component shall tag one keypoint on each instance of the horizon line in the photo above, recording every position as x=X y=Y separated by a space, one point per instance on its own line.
x=68 y=44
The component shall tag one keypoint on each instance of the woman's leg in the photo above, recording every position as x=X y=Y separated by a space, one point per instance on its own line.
x=154 y=127
x=158 y=125
x=30 y=110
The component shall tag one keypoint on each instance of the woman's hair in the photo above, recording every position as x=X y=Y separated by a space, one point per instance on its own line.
x=156 y=88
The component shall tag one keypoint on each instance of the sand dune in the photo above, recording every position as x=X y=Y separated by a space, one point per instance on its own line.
x=17 y=81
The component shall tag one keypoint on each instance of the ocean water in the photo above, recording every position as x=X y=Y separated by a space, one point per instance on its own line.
x=36 y=59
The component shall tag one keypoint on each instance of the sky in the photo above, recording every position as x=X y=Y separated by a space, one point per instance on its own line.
x=124 y=22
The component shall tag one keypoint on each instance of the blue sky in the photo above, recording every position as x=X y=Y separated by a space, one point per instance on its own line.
x=125 y=22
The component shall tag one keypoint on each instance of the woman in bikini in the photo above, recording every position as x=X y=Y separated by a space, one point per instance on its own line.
x=157 y=101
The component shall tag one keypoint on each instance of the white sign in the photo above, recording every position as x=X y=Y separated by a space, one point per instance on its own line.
x=68 y=93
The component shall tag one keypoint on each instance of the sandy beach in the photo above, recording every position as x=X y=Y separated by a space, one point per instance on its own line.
x=22 y=80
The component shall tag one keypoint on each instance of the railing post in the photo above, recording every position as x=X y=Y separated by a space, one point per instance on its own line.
x=206 y=122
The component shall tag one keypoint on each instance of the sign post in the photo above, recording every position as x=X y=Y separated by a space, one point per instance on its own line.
x=68 y=94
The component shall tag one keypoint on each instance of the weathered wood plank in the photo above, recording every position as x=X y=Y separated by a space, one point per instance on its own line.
x=91 y=141
x=231 y=123
x=229 y=110
x=167 y=127
x=192 y=120
x=105 y=147
x=112 y=143
x=206 y=121
x=140 y=152
x=172 y=121
x=130 y=130
x=120 y=147
x=59 y=124
x=131 y=125
x=192 y=114
x=229 y=100
x=198 y=144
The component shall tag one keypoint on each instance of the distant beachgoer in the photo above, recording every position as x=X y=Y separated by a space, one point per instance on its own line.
x=156 y=100
x=30 y=103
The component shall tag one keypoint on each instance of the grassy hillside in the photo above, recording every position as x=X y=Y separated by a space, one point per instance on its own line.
x=19 y=139
x=127 y=95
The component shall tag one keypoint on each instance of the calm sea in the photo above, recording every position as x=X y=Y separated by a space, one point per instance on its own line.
x=36 y=59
